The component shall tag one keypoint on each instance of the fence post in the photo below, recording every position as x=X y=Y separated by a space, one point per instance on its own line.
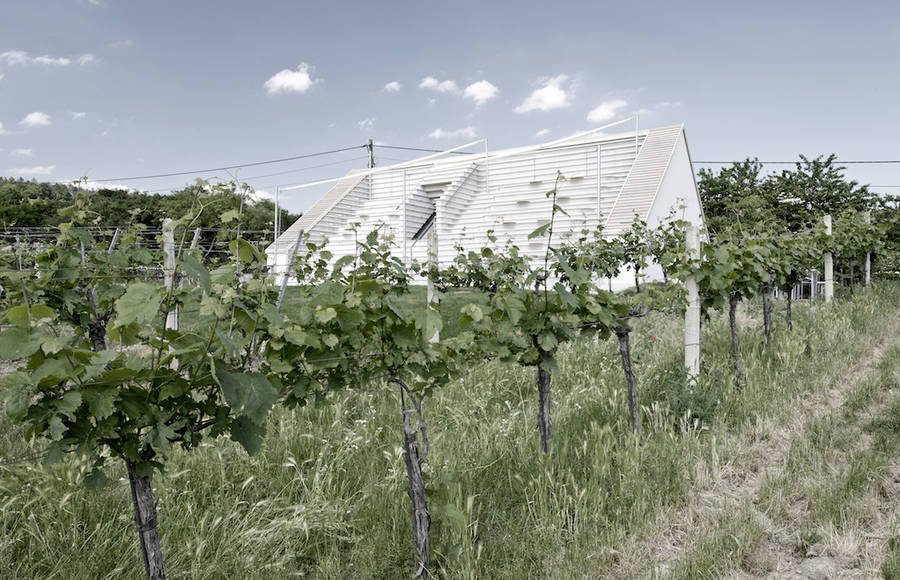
x=196 y=239
x=431 y=295
x=692 y=312
x=287 y=269
x=112 y=244
x=169 y=268
x=829 y=265
x=868 y=265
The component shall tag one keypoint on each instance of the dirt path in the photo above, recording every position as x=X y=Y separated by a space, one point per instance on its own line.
x=728 y=487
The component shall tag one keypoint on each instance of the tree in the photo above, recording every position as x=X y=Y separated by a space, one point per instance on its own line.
x=816 y=187
x=737 y=194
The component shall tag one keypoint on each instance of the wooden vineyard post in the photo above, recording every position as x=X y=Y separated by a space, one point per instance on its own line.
x=692 y=312
x=169 y=268
x=829 y=265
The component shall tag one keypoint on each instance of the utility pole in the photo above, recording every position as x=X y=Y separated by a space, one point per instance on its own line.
x=371 y=148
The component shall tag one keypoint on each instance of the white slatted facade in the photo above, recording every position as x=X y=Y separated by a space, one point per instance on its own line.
x=607 y=178
x=639 y=190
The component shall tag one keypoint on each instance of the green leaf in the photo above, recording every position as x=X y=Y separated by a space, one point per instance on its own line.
x=539 y=231
x=473 y=311
x=53 y=369
x=161 y=435
x=324 y=315
x=549 y=364
x=229 y=216
x=430 y=322
x=243 y=250
x=139 y=304
x=57 y=427
x=19 y=343
x=248 y=433
x=100 y=400
x=250 y=394
x=194 y=268
x=211 y=306
x=69 y=403
x=17 y=396
x=547 y=341
x=18 y=315
x=52 y=344
x=96 y=479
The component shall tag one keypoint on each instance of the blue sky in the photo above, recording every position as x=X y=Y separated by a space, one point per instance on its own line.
x=116 y=88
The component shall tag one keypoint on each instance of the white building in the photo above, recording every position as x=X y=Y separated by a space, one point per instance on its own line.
x=458 y=198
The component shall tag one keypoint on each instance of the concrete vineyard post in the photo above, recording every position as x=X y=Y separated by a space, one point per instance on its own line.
x=169 y=268
x=431 y=295
x=868 y=264
x=829 y=266
x=287 y=269
x=692 y=312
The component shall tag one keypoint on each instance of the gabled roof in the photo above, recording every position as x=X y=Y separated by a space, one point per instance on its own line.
x=642 y=185
x=473 y=193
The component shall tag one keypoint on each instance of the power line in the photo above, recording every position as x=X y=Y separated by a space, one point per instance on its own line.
x=307 y=168
x=422 y=149
x=237 y=166
x=838 y=161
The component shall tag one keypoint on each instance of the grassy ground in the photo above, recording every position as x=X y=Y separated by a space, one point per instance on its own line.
x=326 y=498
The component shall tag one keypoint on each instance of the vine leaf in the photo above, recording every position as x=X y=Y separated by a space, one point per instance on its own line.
x=539 y=231
x=18 y=343
x=249 y=394
x=197 y=271
x=248 y=433
x=140 y=304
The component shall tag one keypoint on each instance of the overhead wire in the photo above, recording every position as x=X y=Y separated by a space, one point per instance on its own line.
x=227 y=167
x=838 y=161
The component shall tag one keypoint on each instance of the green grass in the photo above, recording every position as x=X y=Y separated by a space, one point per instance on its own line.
x=326 y=498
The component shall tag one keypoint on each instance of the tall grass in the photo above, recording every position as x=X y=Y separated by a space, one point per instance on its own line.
x=326 y=497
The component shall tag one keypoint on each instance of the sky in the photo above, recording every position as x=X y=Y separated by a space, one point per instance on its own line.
x=108 y=89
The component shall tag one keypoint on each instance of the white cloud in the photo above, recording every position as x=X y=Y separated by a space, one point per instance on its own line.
x=2 y=130
x=606 y=110
x=22 y=152
x=127 y=43
x=95 y=2
x=542 y=133
x=48 y=60
x=36 y=119
x=78 y=114
x=94 y=185
x=367 y=124
x=556 y=93
x=1 y=76
x=36 y=170
x=447 y=86
x=481 y=92
x=261 y=195
x=392 y=87
x=291 y=81
x=15 y=58
x=468 y=132
x=23 y=58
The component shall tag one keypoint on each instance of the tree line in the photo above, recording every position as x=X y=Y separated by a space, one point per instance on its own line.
x=28 y=203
